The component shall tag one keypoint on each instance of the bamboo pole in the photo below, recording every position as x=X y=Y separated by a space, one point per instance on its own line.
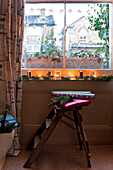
x=10 y=71
x=64 y=33
x=19 y=91
x=14 y=38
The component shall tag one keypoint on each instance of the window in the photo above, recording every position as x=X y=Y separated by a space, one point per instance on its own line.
x=83 y=37
x=71 y=35
x=29 y=48
x=82 y=34
x=36 y=48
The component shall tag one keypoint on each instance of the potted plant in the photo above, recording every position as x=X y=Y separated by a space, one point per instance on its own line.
x=6 y=136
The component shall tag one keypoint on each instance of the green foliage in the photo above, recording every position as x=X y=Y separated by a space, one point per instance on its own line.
x=101 y=24
x=87 y=78
x=99 y=78
x=25 y=78
x=6 y=127
x=46 y=78
x=87 y=54
x=54 y=53
x=61 y=100
x=36 y=54
x=42 y=44
x=64 y=78
x=76 y=77
x=48 y=48
x=102 y=78
x=36 y=78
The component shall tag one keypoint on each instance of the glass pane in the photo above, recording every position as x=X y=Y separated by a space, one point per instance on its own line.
x=43 y=43
x=87 y=35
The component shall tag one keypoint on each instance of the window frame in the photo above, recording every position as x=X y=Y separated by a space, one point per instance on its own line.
x=80 y=1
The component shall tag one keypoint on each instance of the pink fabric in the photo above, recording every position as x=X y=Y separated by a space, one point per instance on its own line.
x=75 y=103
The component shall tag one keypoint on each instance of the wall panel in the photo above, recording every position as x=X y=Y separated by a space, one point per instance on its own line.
x=98 y=116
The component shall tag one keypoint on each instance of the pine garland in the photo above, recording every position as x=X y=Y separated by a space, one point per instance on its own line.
x=61 y=99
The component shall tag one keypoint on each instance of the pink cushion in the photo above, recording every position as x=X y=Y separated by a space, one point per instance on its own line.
x=75 y=103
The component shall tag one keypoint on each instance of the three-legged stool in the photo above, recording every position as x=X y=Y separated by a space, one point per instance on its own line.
x=54 y=117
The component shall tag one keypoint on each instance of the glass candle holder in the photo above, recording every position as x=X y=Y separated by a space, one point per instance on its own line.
x=81 y=74
x=29 y=74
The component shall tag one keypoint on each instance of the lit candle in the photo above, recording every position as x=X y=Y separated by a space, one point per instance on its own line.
x=39 y=75
x=94 y=75
x=72 y=77
x=57 y=74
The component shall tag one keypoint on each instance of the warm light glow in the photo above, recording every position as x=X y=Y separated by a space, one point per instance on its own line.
x=94 y=75
x=39 y=75
x=57 y=74
x=72 y=76
x=41 y=72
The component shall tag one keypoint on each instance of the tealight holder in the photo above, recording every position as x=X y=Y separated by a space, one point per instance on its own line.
x=57 y=74
x=29 y=74
x=81 y=74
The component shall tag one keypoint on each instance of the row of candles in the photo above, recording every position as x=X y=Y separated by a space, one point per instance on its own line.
x=57 y=75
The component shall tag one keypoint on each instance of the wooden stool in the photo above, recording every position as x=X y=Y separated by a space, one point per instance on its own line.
x=53 y=118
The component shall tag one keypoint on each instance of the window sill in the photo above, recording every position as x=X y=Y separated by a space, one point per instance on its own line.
x=68 y=72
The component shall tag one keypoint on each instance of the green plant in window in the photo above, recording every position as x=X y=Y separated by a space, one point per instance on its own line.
x=87 y=78
x=87 y=54
x=46 y=78
x=36 y=55
x=76 y=77
x=25 y=78
x=35 y=78
x=42 y=44
x=65 y=78
x=102 y=78
x=100 y=23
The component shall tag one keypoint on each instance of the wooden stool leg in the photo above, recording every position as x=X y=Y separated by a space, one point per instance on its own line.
x=84 y=139
x=44 y=138
x=77 y=127
x=40 y=130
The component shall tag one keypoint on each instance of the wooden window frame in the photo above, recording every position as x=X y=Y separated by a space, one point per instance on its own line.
x=85 y=1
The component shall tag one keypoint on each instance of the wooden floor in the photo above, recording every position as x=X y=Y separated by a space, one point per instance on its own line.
x=64 y=158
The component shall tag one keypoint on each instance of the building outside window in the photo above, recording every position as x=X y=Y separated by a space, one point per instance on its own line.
x=36 y=48
x=29 y=48
x=71 y=35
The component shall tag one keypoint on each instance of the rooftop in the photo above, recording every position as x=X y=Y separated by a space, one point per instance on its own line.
x=39 y=21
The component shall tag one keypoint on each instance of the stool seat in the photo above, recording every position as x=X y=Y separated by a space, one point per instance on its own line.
x=75 y=103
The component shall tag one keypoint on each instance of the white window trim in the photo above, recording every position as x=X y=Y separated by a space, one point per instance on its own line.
x=91 y=1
